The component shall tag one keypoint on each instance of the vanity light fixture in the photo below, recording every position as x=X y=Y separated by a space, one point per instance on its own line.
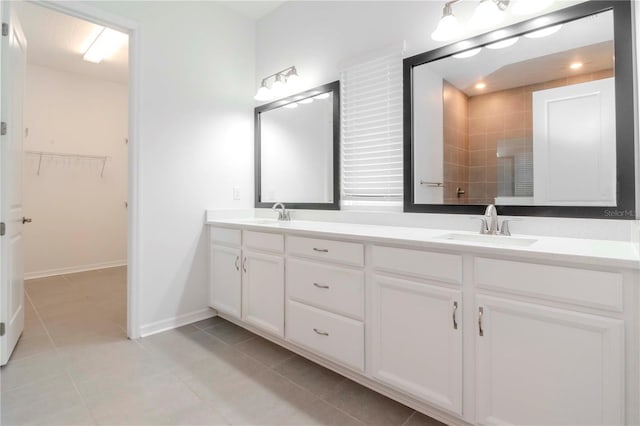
x=449 y=27
x=489 y=13
x=503 y=43
x=281 y=79
x=105 y=44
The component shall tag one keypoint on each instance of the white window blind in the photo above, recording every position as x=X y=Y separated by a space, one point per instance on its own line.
x=371 y=121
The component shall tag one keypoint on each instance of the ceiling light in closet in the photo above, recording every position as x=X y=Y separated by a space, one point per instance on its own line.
x=576 y=65
x=105 y=45
x=481 y=85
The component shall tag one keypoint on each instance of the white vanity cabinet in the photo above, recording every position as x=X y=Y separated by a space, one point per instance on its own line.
x=225 y=276
x=540 y=364
x=416 y=325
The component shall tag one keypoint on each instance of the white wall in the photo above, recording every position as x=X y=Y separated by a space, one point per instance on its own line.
x=320 y=38
x=195 y=143
x=79 y=218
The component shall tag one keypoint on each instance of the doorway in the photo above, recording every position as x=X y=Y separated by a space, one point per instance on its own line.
x=77 y=178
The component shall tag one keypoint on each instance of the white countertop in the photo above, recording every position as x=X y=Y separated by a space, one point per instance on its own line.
x=592 y=252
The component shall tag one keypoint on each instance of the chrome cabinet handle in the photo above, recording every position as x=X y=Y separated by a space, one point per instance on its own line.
x=244 y=265
x=237 y=260
x=321 y=250
x=320 y=332
x=480 y=313
x=455 y=309
x=321 y=285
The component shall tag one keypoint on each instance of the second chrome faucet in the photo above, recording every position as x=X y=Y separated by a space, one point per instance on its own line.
x=490 y=224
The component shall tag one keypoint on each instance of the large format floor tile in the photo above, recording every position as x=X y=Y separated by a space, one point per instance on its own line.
x=75 y=366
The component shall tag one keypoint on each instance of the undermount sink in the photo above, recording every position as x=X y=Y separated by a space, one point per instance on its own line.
x=501 y=240
x=258 y=221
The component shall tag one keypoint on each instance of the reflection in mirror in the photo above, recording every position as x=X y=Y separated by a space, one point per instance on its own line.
x=295 y=140
x=528 y=120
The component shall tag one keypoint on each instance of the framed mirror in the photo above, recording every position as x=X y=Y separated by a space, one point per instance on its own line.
x=297 y=150
x=536 y=118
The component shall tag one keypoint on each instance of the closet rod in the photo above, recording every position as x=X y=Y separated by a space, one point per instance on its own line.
x=41 y=154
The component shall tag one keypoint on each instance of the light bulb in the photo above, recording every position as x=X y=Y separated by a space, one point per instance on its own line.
x=528 y=7
x=503 y=43
x=544 y=32
x=263 y=94
x=449 y=27
x=487 y=14
x=468 y=53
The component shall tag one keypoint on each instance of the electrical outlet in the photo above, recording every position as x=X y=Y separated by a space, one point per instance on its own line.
x=236 y=192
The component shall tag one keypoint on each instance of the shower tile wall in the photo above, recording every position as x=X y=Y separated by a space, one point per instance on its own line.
x=456 y=141
x=501 y=123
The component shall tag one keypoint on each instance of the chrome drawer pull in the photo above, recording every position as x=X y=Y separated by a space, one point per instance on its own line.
x=322 y=333
x=237 y=260
x=321 y=250
x=244 y=265
x=321 y=285
x=480 y=313
x=455 y=309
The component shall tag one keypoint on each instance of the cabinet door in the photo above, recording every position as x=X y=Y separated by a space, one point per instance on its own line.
x=545 y=366
x=416 y=341
x=225 y=290
x=263 y=292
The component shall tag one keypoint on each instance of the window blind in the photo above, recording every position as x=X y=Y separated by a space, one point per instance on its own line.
x=371 y=121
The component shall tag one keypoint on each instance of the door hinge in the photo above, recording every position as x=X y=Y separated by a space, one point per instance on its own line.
x=3 y=229
x=2 y=329
x=3 y=128
x=5 y=29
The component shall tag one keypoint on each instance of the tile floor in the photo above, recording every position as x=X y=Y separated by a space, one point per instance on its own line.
x=74 y=365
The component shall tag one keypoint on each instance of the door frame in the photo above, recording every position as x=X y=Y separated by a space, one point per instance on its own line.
x=105 y=18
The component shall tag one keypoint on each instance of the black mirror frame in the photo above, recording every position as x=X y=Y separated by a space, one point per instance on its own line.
x=334 y=88
x=625 y=115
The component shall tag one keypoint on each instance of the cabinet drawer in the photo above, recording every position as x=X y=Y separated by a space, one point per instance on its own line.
x=598 y=289
x=336 y=289
x=227 y=236
x=424 y=264
x=334 y=336
x=263 y=241
x=334 y=251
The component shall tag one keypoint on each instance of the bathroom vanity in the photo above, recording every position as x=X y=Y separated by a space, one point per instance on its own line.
x=467 y=328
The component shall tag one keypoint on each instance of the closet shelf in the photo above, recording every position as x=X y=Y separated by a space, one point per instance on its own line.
x=41 y=154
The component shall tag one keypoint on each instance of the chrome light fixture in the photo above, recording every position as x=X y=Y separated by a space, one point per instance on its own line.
x=449 y=27
x=487 y=14
x=281 y=79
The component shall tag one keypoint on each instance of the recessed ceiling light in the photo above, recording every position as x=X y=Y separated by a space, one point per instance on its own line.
x=481 y=85
x=503 y=43
x=576 y=65
x=105 y=45
x=468 y=53
x=544 y=32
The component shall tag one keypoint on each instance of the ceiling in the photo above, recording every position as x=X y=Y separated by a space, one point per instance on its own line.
x=253 y=9
x=58 y=41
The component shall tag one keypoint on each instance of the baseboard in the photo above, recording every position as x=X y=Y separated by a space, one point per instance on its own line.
x=175 y=322
x=73 y=269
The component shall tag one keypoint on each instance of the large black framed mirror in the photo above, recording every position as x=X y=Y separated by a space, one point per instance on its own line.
x=297 y=148
x=536 y=118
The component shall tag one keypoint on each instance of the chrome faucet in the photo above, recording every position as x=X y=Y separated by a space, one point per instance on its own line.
x=283 y=213
x=490 y=220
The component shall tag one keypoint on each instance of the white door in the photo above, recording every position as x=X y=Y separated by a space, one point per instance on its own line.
x=225 y=287
x=263 y=292
x=416 y=343
x=574 y=145
x=14 y=55
x=544 y=366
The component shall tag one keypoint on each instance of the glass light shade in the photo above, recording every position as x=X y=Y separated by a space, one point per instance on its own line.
x=528 y=7
x=468 y=53
x=487 y=14
x=448 y=28
x=293 y=79
x=544 y=32
x=503 y=43
x=306 y=101
x=322 y=96
x=277 y=88
x=291 y=105
x=264 y=94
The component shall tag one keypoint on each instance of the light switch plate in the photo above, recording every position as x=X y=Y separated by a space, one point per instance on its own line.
x=236 y=192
